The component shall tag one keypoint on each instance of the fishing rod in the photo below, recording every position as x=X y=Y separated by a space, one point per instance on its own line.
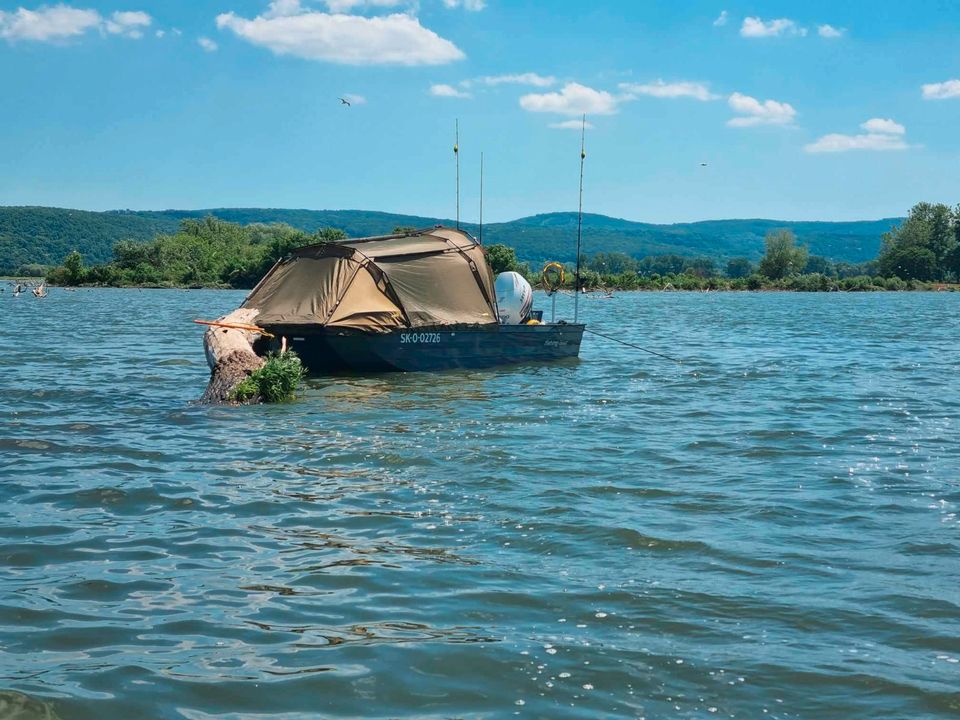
x=631 y=345
x=456 y=154
x=480 y=238
x=576 y=282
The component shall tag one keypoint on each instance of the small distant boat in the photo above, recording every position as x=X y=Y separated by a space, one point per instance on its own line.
x=423 y=300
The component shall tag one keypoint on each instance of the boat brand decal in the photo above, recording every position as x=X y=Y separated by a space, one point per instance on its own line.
x=419 y=338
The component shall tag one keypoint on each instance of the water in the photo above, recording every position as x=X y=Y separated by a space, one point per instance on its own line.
x=768 y=530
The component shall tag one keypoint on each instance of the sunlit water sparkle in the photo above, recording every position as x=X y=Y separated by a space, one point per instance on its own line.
x=769 y=529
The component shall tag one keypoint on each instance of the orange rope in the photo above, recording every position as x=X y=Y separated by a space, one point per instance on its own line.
x=235 y=326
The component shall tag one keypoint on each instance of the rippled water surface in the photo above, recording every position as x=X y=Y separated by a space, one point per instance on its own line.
x=768 y=530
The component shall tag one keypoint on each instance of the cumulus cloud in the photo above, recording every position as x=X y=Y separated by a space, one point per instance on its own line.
x=56 y=23
x=448 y=91
x=881 y=134
x=754 y=27
x=721 y=19
x=472 y=5
x=571 y=125
x=395 y=39
x=881 y=125
x=129 y=24
x=661 y=89
x=529 y=78
x=573 y=99
x=207 y=44
x=941 y=90
x=753 y=112
x=829 y=31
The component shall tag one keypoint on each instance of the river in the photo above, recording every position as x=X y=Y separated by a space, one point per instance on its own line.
x=768 y=529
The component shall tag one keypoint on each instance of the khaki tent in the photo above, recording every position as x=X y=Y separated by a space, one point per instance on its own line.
x=427 y=278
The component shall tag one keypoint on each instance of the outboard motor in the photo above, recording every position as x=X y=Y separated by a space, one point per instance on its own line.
x=514 y=298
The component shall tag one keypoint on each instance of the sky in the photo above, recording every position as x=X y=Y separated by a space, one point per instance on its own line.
x=695 y=110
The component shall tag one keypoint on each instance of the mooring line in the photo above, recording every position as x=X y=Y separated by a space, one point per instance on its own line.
x=635 y=347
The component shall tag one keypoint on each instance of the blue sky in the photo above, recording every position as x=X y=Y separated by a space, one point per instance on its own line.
x=812 y=110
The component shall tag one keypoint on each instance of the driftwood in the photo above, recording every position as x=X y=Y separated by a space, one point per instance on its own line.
x=230 y=356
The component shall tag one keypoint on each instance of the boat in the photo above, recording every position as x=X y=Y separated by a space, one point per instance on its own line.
x=414 y=301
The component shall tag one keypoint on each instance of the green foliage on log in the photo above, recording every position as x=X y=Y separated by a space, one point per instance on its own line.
x=275 y=382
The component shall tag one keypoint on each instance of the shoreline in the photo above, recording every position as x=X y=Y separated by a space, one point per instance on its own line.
x=926 y=287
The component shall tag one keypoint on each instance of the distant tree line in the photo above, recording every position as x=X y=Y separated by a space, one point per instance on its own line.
x=210 y=252
x=205 y=252
x=785 y=265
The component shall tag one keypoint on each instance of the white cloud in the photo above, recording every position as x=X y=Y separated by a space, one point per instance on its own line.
x=573 y=99
x=941 y=90
x=886 y=126
x=529 y=78
x=473 y=5
x=754 y=112
x=160 y=33
x=354 y=99
x=207 y=44
x=449 y=91
x=661 y=89
x=129 y=24
x=881 y=134
x=721 y=19
x=395 y=39
x=55 y=23
x=829 y=31
x=571 y=125
x=754 y=27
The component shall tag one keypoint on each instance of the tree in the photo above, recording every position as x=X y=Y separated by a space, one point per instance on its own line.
x=502 y=258
x=613 y=263
x=739 y=267
x=702 y=267
x=73 y=269
x=928 y=243
x=909 y=262
x=783 y=257
x=819 y=264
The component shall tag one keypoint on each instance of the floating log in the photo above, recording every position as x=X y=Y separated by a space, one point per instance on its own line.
x=230 y=355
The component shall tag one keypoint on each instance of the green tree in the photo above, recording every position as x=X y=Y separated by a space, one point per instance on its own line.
x=783 y=256
x=928 y=243
x=820 y=265
x=739 y=267
x=73 y=269
x=502 y=258
x=702 y=267
x=909 y=262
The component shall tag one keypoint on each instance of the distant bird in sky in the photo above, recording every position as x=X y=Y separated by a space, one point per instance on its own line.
x=703 y=164
x=345 y=102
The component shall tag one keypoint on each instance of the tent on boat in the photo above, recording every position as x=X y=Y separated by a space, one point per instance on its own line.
x=425 y=278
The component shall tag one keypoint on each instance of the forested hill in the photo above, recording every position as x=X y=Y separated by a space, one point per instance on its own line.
x=44 y=236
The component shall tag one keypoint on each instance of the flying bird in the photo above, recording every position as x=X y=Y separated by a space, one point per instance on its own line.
x=345 y=102
x=703 y=164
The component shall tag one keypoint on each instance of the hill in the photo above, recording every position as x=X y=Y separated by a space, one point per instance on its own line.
x=46 y=235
